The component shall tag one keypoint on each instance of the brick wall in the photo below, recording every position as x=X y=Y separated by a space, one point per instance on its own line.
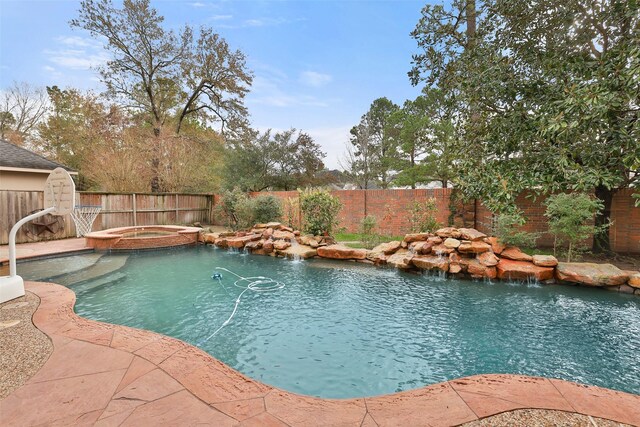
x=625 y=231
x=391 y=209
x=624 y=234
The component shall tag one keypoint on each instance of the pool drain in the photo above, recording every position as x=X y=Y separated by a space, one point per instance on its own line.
x=255 y=284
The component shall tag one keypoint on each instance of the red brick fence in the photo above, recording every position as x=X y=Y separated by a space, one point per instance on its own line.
x=392 y=208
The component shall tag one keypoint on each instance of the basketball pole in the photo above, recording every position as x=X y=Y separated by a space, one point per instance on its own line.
x=12 y=237
x=12 y=286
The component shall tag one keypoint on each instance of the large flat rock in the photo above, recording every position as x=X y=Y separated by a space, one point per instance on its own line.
x=477 y=270
x=387 y=248
x=545 y=260
x=515 y=254
x=431 y=262
x=473 y=247
x=591 y=274
x=401 y=259
x=301 y=251
x=471 y=234
x=522 y=270
x=416 y=237
x=341 y=252
x=239 y=242
x=634 y=280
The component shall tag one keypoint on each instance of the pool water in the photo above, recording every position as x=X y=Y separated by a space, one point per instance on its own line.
x=340 y=329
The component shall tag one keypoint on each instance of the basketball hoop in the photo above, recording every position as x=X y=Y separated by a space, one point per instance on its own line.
x=59 y=199
x=83 y=217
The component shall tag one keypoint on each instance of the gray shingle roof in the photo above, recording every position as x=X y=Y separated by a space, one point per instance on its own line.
x=13 y=156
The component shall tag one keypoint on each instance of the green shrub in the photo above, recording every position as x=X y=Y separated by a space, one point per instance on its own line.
x=571 y=219
x=368 y=235
x=245 y=213
x=507 y=227
x=320 y=211
x=266 y=208
x=227 y=208
x=422 y=216
x=240 y=211
x=292 y=212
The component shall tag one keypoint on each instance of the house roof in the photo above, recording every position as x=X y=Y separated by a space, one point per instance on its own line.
x=14 y=157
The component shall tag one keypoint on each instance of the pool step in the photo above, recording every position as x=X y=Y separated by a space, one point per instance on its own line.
x=103 y=267
x=85 y=286
x=51 y=268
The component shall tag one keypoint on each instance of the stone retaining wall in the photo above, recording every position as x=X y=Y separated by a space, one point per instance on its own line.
x=459 y=252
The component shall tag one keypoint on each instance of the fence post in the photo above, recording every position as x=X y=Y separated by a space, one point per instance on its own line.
x=135 y=211
x=176 y=220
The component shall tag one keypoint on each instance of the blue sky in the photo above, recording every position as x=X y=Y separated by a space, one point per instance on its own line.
x=318 y=65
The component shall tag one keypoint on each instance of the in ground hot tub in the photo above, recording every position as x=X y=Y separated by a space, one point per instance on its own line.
x=147 y=237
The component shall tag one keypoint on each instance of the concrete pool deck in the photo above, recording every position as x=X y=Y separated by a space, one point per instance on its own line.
x=43 y=249
x=104 y=374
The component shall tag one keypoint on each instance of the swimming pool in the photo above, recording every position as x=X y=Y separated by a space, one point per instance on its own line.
x=344 y=330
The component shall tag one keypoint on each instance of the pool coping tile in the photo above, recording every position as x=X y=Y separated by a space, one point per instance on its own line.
x=148 y=378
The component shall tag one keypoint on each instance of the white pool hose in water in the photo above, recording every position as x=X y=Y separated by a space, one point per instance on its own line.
x=255 y=284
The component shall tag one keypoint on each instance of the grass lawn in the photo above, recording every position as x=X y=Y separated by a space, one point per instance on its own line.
x=355 y=240
x=356 y=237
x=537 y=251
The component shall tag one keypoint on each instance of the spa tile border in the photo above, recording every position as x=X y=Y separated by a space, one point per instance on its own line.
x=109 y=375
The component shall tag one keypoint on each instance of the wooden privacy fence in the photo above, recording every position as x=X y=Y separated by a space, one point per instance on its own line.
x=118 y=210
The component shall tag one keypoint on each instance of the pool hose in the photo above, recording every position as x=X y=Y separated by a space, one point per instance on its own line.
x=255 y=284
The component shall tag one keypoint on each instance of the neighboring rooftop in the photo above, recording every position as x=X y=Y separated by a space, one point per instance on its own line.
x=12 y=156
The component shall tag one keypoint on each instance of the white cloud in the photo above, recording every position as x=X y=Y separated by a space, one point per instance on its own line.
x=52 y=73
x=76 y=53
x=266 y=91
x=333 y=141
x=314 y=79
x=255 y=22
x=260 y=22
x=75 y=41
x=197 y=4
x=220 y=17
x=268 y=71
x=76 y=60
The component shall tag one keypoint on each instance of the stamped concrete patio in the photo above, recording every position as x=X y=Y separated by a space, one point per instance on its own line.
x=103 y=374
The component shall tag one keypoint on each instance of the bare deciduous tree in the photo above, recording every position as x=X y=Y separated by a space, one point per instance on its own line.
x=167 y=76
x=23 y=107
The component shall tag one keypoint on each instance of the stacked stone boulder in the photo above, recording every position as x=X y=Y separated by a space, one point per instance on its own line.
x=464 y=252
x=274 y=239
x=459 y=252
